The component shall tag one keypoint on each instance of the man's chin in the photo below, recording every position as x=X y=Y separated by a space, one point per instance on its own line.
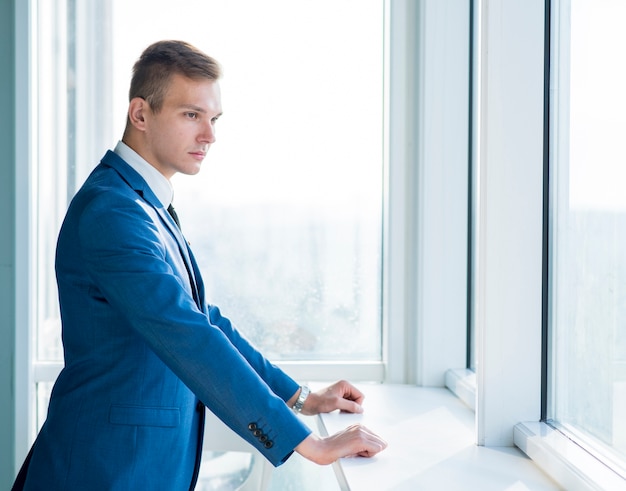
x=192 y=170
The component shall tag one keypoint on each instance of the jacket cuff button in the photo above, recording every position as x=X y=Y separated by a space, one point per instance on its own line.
x=268 y=444
x=252 y=426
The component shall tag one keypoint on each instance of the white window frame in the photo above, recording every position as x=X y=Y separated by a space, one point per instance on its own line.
x=24 y=282
x=509 y=217
x=426 y=194
x=441 y=189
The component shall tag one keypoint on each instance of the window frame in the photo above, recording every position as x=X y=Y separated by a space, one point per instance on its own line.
x=427 y=191
x=509 y=337
x=440 y=191
x=24 y=235
x=47 y=371
x=508 y=229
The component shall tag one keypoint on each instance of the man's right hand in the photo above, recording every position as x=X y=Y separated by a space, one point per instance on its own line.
x=356 y=440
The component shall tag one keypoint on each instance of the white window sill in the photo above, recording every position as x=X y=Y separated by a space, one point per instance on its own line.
x=565 y=461
x=432 y=446
x=462 y=383
x=562 y=459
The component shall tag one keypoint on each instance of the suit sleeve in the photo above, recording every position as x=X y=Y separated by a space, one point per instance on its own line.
x=281 y=384
x=124 y=251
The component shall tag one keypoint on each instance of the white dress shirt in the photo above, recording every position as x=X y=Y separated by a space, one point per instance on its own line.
x=159 y=184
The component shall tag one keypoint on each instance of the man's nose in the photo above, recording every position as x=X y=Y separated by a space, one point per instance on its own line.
x=208 y=133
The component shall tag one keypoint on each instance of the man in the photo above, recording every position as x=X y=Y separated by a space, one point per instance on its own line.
x=144 y=353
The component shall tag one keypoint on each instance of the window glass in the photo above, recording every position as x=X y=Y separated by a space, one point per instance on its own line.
x=50 y=154
x=588 y=224
x=71 y=128
x=285 y=218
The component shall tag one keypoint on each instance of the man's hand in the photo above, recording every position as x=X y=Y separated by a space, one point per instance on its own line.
x=341 y=395
x=355 y=440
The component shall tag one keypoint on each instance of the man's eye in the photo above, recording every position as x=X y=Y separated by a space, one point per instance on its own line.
x=192 y=115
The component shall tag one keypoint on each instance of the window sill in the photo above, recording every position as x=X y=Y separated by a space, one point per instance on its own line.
x=432 y=445
x=462 y=383
x=562 y=459
x=565 y=461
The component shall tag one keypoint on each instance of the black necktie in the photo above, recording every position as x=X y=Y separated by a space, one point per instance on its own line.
x=192 y=279
x=174 y=215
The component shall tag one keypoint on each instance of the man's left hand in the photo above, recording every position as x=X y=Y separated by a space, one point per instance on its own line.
x=341 y=395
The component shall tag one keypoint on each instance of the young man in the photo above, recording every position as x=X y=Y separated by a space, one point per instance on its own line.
x=144 y=352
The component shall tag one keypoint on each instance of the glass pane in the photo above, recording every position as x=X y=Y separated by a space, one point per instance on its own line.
x=50 y=156
x=285 y=218
x=71 y=89
x=589 y=225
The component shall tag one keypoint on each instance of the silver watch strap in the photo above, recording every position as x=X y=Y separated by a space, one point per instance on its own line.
x=304 y=393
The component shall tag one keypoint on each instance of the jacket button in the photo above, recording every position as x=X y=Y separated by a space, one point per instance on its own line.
x=252 y=426
x=268 y=444
x=257 y=433
x=263 y=438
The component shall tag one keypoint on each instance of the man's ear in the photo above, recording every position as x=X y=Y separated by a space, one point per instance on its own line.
x=137 y=110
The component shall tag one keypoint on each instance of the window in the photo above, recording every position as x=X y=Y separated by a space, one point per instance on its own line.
x=588 y=227
x=286 y=218
x=70 y=128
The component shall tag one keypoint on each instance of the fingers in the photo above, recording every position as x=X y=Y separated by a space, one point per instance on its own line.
x=358 y=440
x=341 y=395
x=348 y=406
x=348 y=391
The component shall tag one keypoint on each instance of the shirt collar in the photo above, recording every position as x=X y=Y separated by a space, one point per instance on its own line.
x=158 y=183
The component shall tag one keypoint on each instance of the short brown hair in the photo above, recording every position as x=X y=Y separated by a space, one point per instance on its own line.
x=159 y=61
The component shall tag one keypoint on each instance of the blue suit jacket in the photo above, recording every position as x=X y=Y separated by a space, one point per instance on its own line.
x=144 y=353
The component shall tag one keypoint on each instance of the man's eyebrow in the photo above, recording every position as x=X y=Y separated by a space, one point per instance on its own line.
x=198 y=109
x=193 y=108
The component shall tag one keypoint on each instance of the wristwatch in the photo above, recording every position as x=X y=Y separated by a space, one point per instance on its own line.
x=304 y=393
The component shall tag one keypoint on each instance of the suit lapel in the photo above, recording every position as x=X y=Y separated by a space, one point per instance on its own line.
x=136 y=182
x=185 y=252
